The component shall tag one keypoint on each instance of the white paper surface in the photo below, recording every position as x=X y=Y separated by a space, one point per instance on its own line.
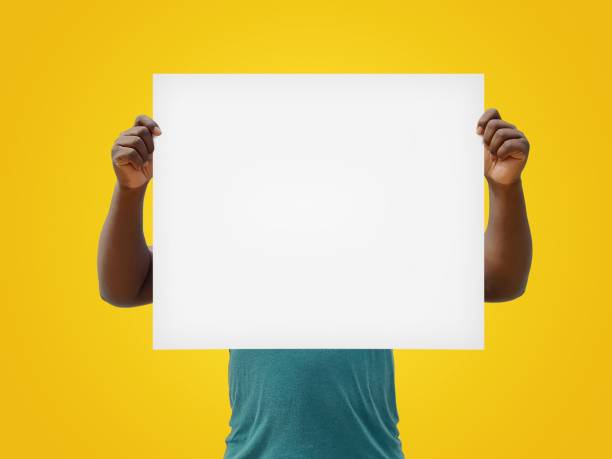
x=318 y=211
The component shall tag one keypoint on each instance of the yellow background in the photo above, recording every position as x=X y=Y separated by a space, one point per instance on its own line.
x=79 y=377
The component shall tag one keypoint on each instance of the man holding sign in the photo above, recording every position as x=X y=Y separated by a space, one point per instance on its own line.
x=316 y=403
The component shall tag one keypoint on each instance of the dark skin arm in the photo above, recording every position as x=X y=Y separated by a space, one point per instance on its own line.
x=125 y=262
x=507 y=238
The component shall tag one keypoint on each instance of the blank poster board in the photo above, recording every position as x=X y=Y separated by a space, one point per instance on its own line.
x=318 y=211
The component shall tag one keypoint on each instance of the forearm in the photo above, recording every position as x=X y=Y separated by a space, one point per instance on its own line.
x=124 y=260
x=507 y=243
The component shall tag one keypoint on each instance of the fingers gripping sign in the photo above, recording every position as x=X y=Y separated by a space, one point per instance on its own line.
x=132 y=153
x=505 y=148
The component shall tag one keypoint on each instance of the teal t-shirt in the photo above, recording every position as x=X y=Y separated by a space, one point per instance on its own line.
x=312 y=404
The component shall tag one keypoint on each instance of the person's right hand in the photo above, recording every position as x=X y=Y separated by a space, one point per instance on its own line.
x=132 y=153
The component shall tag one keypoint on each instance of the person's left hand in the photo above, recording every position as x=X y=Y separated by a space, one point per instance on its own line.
x=505 y=148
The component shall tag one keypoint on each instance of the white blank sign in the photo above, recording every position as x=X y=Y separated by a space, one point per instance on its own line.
x=318 y=211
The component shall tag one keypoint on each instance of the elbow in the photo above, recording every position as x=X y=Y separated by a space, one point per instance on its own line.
x=501 y=297
x=119 y=301
x=112 y=300
x=505 y=291
x=116 y=295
